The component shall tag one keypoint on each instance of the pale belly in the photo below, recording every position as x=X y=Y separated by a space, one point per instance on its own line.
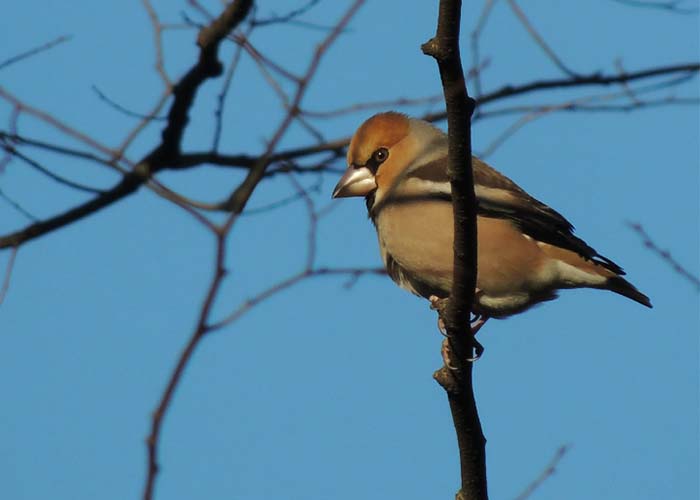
x=417 y=248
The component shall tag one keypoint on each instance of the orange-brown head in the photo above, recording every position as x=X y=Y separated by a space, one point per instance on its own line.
x=384 y=147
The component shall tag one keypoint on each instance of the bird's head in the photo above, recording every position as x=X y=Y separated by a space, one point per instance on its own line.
x=383 y=148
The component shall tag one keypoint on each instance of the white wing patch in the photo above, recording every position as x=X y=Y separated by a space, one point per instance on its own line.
x=574 y=277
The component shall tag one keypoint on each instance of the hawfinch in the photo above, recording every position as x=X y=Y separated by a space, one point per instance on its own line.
x=526 y=251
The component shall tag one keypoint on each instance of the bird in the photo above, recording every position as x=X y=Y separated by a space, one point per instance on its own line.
x=526 y=251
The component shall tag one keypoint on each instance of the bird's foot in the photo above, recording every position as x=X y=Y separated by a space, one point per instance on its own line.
x=478 y=321
x=475 y=325
x=478 y=350
x=446 y=352
x=437 y=304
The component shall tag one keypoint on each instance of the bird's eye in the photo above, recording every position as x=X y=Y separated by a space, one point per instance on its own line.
x=380 y=155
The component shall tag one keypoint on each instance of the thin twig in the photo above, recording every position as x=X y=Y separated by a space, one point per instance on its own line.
x=63 y=150
x=287 y=283
x=32 y=52
x=56 y=123
x=585 y=80
x=258 y=56
x=223 y=94
x=269 y=207
x=145 y=121
x=579 y=107
x=17 y=206
x=112 y=103
x=286 y=18
x=546 y=473
x=533 y=113
x=201 y=9
x=237 y=203
x=520 y=14
x=313 y=221
x=158 y=43
x=670 y=5
x=664 y=254
x=39 y=167
x=182 y=362
x=475 y=38
x=8 y=274
x=240 y=196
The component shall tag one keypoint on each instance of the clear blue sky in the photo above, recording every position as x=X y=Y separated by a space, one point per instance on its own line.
x=325 y=392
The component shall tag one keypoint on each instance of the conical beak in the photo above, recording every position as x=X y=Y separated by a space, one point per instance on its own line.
x=357 y=181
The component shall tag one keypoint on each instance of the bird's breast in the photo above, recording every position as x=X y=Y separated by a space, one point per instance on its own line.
x=416 y=239
x=416 y=243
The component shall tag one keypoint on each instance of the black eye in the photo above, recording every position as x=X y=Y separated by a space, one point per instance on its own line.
x=380 y=156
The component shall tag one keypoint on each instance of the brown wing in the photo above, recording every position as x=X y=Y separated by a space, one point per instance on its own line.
x=500 y=197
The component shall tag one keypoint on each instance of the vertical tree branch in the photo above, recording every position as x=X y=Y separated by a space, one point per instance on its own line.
x=457 y=380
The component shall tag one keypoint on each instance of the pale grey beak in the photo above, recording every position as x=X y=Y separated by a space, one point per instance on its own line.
x=355 y=182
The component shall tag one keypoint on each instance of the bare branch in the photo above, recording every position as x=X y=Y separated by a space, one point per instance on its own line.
x=158 y=42
x=475 y=39
x=664 y=254
x=259 y=57
x=391 y=103
x=288 y=283
x=112 y=103
x=287 y=200
x=546 y=473
x=123 y=188
x=236 y=204
x=385 y=104
x=338 y=145
x=586 y=104
x=8 y=274
x=240 y=196
x=221 y=98
x=669 y=5
x=292 y=15
x=313 y=221
x=37 y=166
x=208 y=66
x=62 y=150
x=539 y=39
x=159 y=414
x=598 y=79
x=56 y=123
x=17 y=206
x=248 y=161
x=201 y=9
x=145 y=121
x=457 y=380
x=32 y=52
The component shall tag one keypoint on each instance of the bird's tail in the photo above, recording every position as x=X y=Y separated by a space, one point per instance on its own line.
x=620 y=285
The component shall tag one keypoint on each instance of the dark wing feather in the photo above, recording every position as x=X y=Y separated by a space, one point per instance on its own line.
x=541 y=226
x=502 y=198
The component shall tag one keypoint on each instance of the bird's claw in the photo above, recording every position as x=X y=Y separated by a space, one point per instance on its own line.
x=441 y=327
x=478 y=350
x=446 y=352
x=436 y=303
x=477 y=323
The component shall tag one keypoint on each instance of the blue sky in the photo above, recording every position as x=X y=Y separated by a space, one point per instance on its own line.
x=324 y=391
